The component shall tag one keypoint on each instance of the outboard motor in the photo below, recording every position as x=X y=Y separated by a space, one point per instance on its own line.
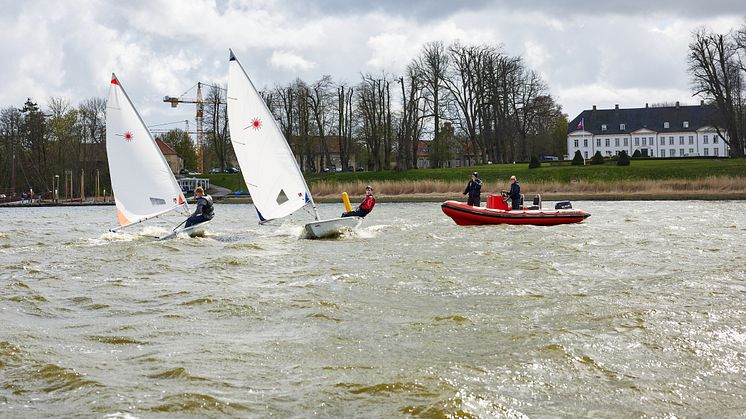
x=536 y=205
x=563 y=205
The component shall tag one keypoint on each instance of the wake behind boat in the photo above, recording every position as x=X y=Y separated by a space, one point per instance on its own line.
x=268 y=165
x=498 y=212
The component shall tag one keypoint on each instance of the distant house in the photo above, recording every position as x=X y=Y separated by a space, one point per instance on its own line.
x=320 y=163
x=175 y=162
x=459 y=154
x=669 y=131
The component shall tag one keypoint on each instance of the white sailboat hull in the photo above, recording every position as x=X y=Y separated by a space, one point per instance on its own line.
x=331 y=228
x=197 y=230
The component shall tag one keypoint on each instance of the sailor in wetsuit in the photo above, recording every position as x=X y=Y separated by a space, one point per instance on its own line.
x=204 y=211
x=365 y=207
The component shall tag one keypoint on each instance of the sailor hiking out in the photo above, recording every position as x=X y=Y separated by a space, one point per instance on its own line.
x=204 y=211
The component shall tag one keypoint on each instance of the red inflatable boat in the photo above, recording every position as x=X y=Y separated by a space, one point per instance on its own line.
x=498 y=212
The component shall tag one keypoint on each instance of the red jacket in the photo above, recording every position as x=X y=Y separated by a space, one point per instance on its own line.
x=368 y=203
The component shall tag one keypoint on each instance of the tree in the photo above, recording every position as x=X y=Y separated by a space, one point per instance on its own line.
x=623 y=159
x=181 y=142
x=637 y=154
x=535 y=163
x=597 y=158
x=717 y=76
x=578 y=159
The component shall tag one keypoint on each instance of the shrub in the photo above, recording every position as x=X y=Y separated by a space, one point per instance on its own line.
x=636 y=154
x=623 y=159
x=597 y=158
x=578 y=160
x=534 y=163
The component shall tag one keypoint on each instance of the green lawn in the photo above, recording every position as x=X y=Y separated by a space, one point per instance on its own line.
x=652 y=169
x=608 y=172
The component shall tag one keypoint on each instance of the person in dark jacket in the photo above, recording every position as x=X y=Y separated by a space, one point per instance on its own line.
x=514 y=194
x=474 y=189
x=204 y=211
x=365 y=207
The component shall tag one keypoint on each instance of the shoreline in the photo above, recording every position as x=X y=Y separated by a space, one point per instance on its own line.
x=440 y=197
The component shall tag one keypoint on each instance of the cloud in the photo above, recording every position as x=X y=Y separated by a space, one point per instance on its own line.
x=587 y=52
x=286 y=60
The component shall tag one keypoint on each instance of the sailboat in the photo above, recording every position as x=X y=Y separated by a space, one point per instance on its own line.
x=144 y=186
x=268 y=166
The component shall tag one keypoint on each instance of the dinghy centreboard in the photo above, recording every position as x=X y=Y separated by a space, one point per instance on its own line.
x=144 y=186
x=268 y=166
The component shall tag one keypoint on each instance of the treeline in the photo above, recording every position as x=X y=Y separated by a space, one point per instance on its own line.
x=61 y=147
x=473 y=104
x=717 y=65
x=476 y=104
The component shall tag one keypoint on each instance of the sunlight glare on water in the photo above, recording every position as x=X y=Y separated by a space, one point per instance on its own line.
x=638 y=311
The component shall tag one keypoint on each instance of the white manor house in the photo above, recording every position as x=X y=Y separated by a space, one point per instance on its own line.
x=669 y=131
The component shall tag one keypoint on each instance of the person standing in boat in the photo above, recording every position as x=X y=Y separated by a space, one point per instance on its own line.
x=514 y=194
x=204 y=211
x=365 y=207
x=474 y=190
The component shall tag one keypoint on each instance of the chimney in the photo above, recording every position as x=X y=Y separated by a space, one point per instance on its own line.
x=701 y=103
x=594 y=107
x=646 y=106
x=616 y=106
x=677 y=104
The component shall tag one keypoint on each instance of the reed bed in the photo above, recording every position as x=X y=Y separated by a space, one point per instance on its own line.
x=708 y=185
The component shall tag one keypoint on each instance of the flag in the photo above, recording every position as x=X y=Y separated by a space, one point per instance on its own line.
x=581 y=124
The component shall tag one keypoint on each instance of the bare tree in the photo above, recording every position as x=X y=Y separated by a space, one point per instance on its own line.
x=716 y=75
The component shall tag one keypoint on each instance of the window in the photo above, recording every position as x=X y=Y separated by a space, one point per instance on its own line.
x=586 y=154
x=576 y=143
x=598 y=142
x=681 y=152
x=626 y=142
x=670 y=140
x=665 y=125
x=603 y=127
x=681 y=140
x=705 y=139
x=637 y=141
x=622 y=127
x=673 y=152
x=714 y=139
x=707 y=151
x=608 y=152
x=686 y=124
x=663 y=152
x=715 y=151
x=608 y=142
x=616 y=142
x=691 y=151
x=644 y=141
x=585 y=143
x=691 y=139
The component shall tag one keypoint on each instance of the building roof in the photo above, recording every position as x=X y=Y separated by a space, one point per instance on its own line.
x=165 y=148
x=652 y=118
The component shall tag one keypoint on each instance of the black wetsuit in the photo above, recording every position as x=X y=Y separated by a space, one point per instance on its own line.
x=474 y=189
x=204 y=211
x=515 y=195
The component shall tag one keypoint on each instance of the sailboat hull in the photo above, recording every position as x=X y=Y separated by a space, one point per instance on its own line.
x=197 y=230
x=334 y=227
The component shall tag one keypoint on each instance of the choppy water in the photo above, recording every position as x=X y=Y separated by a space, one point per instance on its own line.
x=639 y=311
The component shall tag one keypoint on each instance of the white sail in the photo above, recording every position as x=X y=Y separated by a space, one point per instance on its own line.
x=267 y=163
x=142 y=181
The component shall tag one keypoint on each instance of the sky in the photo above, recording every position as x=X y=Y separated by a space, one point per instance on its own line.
x=588 y=52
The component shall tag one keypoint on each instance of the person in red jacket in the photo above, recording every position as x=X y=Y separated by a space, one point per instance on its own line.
x=365 y=207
